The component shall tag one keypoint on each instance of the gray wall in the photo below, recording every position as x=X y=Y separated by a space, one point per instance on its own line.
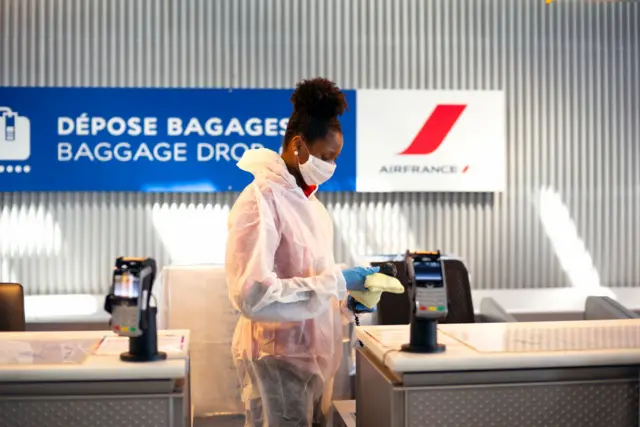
x=570 y=71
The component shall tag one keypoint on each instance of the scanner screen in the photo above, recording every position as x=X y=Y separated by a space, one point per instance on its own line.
x=126 y=285
x=428 y=273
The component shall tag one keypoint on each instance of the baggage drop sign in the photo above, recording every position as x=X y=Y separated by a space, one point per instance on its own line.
x=138 y=139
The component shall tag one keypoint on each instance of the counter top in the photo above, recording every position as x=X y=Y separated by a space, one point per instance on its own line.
x=84 y=356
x=493 y=346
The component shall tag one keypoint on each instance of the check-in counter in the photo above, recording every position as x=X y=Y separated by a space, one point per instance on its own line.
x=77 y=379
x=604 y=308
x=558 y=304
x=570 y=374
x=630 y=297
x=66 y=313
x=196 y=298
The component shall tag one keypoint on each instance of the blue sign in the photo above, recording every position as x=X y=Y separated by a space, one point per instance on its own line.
x=136 y=139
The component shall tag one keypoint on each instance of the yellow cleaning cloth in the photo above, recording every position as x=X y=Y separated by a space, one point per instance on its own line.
x=376 y=284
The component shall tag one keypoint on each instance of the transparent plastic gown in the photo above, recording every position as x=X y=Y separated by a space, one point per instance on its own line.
x=283 y=278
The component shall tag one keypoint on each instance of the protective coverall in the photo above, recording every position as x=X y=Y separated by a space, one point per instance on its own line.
x=282 y=277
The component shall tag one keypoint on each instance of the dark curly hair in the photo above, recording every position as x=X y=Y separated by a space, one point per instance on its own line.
x=317 y=103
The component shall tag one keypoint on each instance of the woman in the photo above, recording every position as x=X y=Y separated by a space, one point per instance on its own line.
x=281 y=271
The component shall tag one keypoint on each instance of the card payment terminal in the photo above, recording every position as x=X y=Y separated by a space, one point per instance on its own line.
x=427 y=274
x=129 y=306
x=427 y=287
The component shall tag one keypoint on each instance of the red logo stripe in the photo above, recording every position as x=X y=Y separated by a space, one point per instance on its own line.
x=435 y=129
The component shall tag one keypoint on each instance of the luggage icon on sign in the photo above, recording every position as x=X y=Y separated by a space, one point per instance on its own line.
x=15 y=136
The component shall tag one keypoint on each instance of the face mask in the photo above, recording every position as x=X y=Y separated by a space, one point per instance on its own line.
x=316 y=171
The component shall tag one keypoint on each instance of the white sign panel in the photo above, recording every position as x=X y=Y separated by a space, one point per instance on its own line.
x=419 y=140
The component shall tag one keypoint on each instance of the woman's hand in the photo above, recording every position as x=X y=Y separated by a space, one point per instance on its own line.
x=356 y=276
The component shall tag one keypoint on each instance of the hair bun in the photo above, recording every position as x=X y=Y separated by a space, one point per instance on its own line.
x=319 y=98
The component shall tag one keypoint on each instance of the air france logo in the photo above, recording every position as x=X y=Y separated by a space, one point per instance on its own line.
x=435 y=129
x=431 y=136
x=15 y=141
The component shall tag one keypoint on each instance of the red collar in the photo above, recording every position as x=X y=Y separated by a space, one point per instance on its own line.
x=309 y=190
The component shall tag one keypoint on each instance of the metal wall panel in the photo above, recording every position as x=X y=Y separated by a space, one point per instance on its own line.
x=571 y=75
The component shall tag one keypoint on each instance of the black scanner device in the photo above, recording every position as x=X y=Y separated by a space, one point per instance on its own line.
x=388 y=269
x=132 y=315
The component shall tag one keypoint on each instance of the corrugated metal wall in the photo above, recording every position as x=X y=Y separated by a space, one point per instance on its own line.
x=570 y=71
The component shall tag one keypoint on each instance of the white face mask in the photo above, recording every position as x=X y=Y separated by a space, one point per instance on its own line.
x=316 y=171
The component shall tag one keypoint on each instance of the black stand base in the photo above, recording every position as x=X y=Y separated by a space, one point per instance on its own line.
x=438 y=348
x=145 y=347
x=130 y=357
x=424 y=337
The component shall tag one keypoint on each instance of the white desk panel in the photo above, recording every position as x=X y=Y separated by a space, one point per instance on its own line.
x=71 y=356
x=496 y=346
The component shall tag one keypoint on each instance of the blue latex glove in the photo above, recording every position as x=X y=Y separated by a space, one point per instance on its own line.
x=360 y=308
x=356 y=276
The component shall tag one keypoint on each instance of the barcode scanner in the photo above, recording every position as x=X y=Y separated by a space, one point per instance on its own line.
x=356 y=308
x=387 y=269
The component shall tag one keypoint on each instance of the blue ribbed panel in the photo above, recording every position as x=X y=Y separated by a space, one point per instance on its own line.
x=570 y=71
